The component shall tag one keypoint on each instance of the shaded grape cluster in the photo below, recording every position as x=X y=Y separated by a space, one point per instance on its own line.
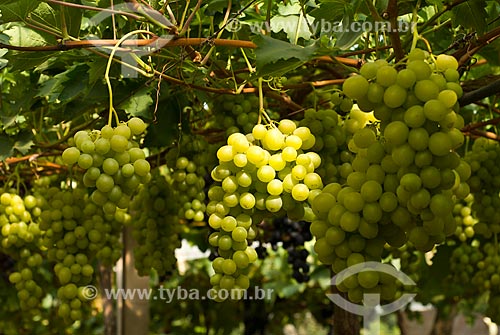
x=20 y=247
x=77 y=234
x=155 y=227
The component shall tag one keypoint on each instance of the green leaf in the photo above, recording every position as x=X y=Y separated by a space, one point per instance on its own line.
x=21 y=142
x=21 y=61
x=24 y=142
x=8 y=120
x=347 y=36
x=6 y=147
x=139 y=104
x=164 y=130
x=73 y=18
x=471 y=14
x=216 y=6
x=46 y=15
x=97 y=68
x=437 y=286
x=12 y=11
x=269 y=50
x=275 y=57
x=65 y=86
x=291 y=8
x=330 y=11
x=294 y=26
x=25 y=37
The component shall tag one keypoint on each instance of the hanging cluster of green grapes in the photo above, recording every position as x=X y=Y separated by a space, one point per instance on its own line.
x=405 y=175
x=341 y=103
x=155 y=227
x=188 y=184
x=327 y=128
x=77 y=233
x=484 y=160
x=266 y=172
x=475 y=269
x=235 y=113
x=20 y=235
x=114 y=164
x=188 y=166
x=465 y=219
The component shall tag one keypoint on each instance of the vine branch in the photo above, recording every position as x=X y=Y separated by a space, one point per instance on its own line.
x=108 y=10
x=480 y=93
x=465 y=54
x=391 y=13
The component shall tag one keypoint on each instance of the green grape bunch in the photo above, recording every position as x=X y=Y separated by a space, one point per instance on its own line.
x=405 y=175
x=267 y=172
x=155 y=227
x=114 y=164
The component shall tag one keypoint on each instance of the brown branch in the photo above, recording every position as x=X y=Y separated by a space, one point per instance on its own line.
x=481 y=93
x=160 y=42
x=480 y=133
x=487 y=106
x=190 y=18
x=74 y=5
x=446 y=8
x=285 y=99
x=29 y=158
x=346 y=61
x=465 y=54
x=391 y=13
x=480 y=124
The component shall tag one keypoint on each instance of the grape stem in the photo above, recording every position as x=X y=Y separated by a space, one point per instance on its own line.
x=261 y=101
x=112 y=110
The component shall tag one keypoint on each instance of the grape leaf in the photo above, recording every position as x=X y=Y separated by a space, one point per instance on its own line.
x=20 y=61
x=139 y=104
x=19 y=35
x=346 y=36
x=16 y=10
x=65 y=86
x=24 y=142
x=291 y=8
x=270 y=51
x=438 y=285
x=471 y=14
x=164 y=130
x=6 y=148
x=294 y=26
x=21 y=142
x=97 y=68
x=330 y=11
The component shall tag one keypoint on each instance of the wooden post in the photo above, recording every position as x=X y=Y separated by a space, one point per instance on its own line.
x=108 y=305
x=134 y=314
x=345 y=323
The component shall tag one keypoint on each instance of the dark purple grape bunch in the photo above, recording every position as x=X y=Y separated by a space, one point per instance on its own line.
x=291 y=235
